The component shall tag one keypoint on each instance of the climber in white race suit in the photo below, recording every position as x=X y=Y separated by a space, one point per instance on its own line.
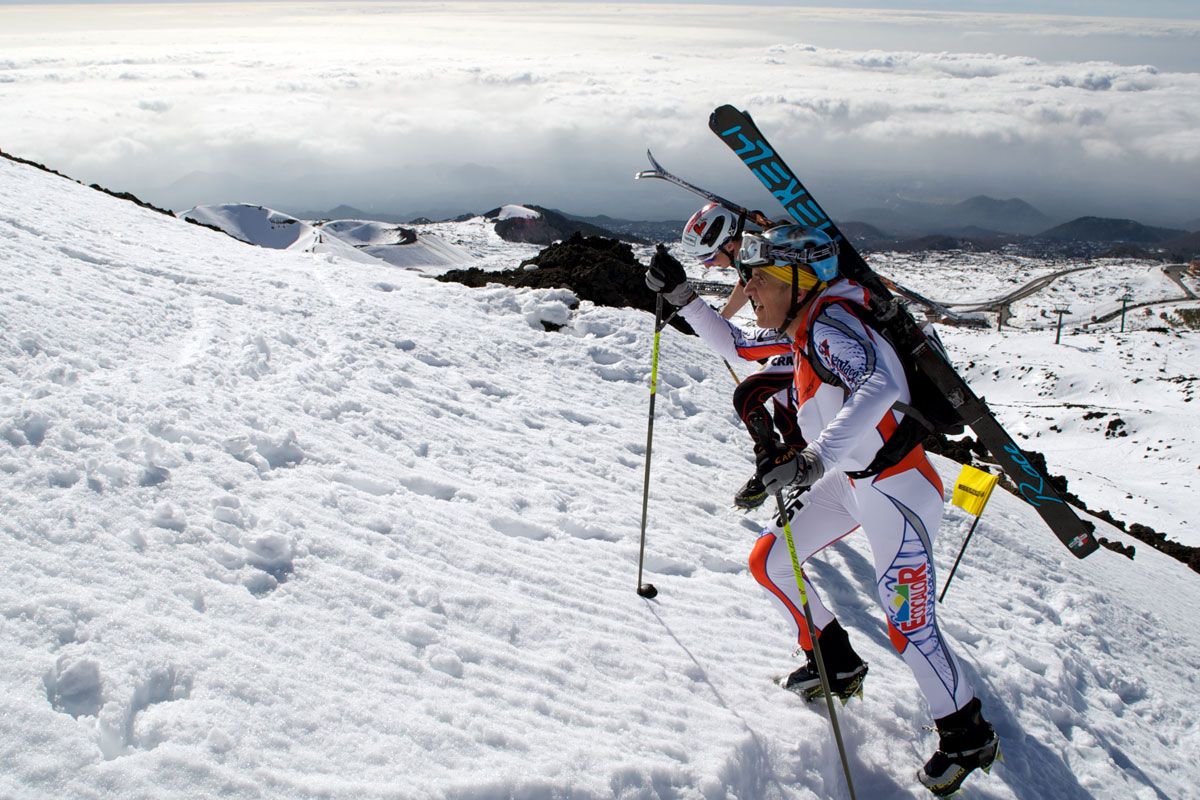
x=847 y=380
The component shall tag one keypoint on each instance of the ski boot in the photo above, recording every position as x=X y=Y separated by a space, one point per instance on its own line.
x=967 y=743
x=751 y=495
x=845 y=670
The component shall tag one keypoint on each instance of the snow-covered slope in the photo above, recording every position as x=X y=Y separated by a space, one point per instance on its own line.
x=478 y=238
x=266 y=227
x=1116 y=413
x=258 y=225
x=355 y=240
x=400 y=247
x=1113 y=411
x=279 y=525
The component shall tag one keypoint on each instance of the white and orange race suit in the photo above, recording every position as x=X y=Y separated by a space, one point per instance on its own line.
x=899 y=509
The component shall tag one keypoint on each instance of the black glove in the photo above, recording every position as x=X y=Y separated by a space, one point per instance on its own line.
x=666 y=276
x=779 y=466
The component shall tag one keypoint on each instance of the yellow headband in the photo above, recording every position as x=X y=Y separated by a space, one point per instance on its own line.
x=805 y=278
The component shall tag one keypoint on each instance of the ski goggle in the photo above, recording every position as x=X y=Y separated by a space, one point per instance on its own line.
x=757 y=252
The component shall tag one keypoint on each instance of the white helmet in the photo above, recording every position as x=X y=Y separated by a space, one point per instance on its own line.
x=708 y=231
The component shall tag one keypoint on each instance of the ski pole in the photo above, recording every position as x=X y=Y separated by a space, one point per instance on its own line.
x=812 y=634
x=736 y=379
x=962 y=550
x=647 y=589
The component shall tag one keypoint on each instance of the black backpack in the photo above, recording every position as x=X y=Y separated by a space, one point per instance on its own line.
x=929 y=410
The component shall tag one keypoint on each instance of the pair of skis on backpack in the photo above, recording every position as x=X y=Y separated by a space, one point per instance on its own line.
x=739 y=132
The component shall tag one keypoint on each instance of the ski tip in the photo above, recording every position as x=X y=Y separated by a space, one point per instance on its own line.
x=1083 y=551
x=727 y=110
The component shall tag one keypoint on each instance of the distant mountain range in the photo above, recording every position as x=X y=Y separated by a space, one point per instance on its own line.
x=1083 y=237
x=913 y=218
x=347 y=212
x=978 y=224
x=1100 y=229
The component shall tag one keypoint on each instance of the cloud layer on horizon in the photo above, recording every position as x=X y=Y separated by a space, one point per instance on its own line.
x=418 y=107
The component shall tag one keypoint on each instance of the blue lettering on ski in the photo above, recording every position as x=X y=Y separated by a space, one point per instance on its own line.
x=750 y=152
x=783 y=186
x=774 y=172
x=791 y=195
x=1028 y=489
x=818 y=214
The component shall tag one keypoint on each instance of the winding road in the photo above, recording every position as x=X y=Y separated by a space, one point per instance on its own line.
x=1002 y=305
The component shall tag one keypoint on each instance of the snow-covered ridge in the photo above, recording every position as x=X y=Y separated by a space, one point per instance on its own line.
x=352 y=239
x=517 y=212
x=258 y=225
x=365 y=233
x=399 y=246
x=275 y=524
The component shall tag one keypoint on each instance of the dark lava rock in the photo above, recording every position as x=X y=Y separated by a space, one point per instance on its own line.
x=527 y=230
x=1159 y=541
x=1129 y=551
x=405 y=235
x=550 y=226
x=962 y=450
x=601 y=270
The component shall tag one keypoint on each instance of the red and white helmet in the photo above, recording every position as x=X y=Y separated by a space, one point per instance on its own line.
x=708 y=231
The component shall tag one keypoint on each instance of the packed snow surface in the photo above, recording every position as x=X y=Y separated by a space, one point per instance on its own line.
x=276 y=524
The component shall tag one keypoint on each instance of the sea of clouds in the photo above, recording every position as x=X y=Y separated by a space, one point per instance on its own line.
x=426 y=107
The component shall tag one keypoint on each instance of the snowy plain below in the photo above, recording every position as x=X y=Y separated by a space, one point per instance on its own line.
x=277 y=524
